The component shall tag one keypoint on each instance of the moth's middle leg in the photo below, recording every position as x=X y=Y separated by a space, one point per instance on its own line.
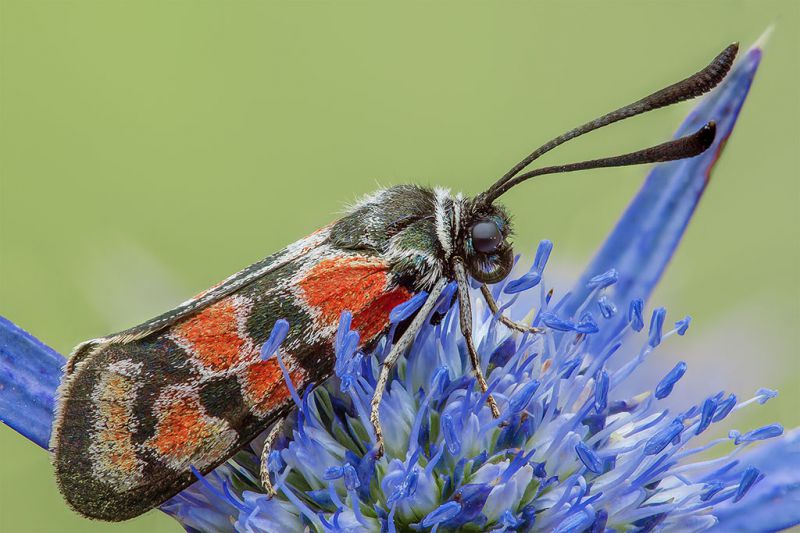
x=400 y=347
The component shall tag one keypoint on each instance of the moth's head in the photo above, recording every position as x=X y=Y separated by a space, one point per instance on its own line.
x=483 y=241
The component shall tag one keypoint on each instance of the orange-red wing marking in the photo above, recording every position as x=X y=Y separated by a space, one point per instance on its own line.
x=263 y=385
x=185 y=434
x=360 y=285
x=214 y=336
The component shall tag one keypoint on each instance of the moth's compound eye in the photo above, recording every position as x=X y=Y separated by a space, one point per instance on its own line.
x=486 y=237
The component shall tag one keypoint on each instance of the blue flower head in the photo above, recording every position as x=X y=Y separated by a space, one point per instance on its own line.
x=571 y=451
x=568 y=453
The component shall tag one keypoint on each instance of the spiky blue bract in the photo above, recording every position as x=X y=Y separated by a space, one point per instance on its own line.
x=30 y=372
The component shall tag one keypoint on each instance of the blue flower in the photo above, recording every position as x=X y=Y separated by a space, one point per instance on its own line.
x=571 y=451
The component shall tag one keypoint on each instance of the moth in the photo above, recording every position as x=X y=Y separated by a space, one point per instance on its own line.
x=141 y=408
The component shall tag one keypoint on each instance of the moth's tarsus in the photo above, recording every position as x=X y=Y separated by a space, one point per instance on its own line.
x=686 y=89
x=495 y=309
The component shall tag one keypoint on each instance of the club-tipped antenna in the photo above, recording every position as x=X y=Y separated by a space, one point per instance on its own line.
x=691 y=87
x=681 y=148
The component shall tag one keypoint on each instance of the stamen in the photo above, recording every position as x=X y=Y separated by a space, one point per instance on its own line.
x=664 y=387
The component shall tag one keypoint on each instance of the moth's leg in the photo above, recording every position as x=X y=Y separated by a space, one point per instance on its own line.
x=465 y=318
x=517 y=326
x=266 y=482
x=397 y=350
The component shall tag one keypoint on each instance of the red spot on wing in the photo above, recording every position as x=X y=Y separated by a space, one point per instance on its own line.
x=264 y=387
x=179 y=429
x=357 y=284
x=185 y=434
x=212 y=336
x=372 y=319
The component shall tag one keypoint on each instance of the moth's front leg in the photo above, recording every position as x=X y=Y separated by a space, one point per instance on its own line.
x=397 y=350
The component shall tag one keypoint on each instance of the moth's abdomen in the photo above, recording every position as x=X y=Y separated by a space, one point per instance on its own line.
x=136 y=416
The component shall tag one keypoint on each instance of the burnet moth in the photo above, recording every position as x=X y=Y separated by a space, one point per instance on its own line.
x=140 y=409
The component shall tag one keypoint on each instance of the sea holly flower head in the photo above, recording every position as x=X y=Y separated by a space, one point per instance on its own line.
x=572 y=449
x=567 y=454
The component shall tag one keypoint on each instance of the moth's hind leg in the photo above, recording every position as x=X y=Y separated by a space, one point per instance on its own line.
x=516 y=326
x=266 y=482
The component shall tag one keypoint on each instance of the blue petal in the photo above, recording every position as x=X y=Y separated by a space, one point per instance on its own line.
x=656 y=326
x=682 y=325
x=607 y=307
x=762 y=433
x=528 y=281
x=601 y=391
x=603 y=280
x=406 y=309
x=664 y=387
x=441 y=514
x=576 y=522
x=542 y=255
x=552 y=321
x=635 y=314
x=724 y=407
x=276 y=338
x=750 y=477
x=589 y=458
x=660 y=440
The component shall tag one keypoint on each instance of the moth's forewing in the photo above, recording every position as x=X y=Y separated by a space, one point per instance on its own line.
x=189 y=388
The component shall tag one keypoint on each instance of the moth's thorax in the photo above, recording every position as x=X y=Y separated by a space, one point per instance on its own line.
x=417 y=230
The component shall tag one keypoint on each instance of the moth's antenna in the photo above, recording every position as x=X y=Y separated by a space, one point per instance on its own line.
x=688 y=146
x=691 y=87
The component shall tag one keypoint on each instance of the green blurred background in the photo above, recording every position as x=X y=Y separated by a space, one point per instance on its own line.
x=149 y=149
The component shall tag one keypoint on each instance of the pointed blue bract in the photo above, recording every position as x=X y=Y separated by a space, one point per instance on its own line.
x=29 y=374
x=645 y=237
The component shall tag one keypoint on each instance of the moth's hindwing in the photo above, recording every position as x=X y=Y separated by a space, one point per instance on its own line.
x=141 y=407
